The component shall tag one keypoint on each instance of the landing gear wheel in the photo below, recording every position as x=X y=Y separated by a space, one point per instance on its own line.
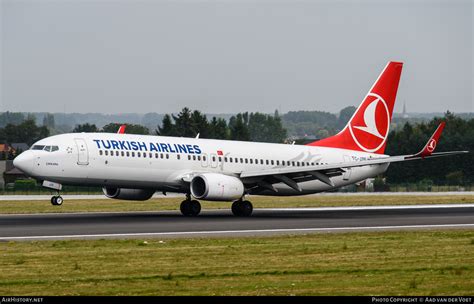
x=190 y=208
x=57 y=200
x=195 y=208
x=242 y=208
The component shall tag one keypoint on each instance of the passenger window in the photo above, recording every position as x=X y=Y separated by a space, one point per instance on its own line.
x=220 y=159
x=230 y=159
x=133 y=154
x=199 y=157
x=213 y=158
x=236 y=160
x=251 y=161
x=261 y=162
x=123 y=154
x=128 y=154
x=161 y=155
x=293 y=164
x=266 y=161
x=167 y=156
x=278 y=162
x=241 y=160
x=151 y=155
x=225 y=159
x=178 y=156
x=144 y=154
x=189 y=157
x=106 y=152
x=100 y=152
x=156 y=155
x=138 y=154
x=271 y=162
x=194 y=157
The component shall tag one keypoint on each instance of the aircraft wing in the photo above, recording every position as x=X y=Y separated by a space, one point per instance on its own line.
x=291 y=176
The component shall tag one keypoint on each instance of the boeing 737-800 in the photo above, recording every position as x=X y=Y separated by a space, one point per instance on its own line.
x=134 y=167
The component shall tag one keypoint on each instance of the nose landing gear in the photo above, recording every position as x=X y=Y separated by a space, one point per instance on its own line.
x=57 y=200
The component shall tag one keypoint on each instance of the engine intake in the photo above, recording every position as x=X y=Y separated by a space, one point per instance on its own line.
x=128 y=194
x=216 y=187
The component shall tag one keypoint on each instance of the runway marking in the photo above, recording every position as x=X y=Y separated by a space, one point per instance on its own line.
x=353 y=208
x=230 y=232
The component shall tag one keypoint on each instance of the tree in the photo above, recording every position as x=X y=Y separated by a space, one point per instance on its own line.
x=167 y=127
x=85 y=128
x=27 y=132
x=183 y=123
x=199 y=124
x=130 y=128
x=238 y=127
x=344 y=116
x=218 y=128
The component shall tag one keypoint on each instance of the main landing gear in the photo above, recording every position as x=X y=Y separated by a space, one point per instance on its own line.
x=190 y=207
x=57 y=200
x=242 y=208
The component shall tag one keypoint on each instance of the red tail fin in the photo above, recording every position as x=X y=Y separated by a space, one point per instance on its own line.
x=368 y=128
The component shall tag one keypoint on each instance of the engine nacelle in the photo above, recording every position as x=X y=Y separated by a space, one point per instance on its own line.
x=128 y=194
x=216 y=187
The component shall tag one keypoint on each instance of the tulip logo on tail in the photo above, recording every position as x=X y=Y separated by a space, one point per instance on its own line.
x=431 y=145
x=370 y=124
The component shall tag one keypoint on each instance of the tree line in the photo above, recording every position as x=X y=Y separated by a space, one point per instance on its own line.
x=452 y=170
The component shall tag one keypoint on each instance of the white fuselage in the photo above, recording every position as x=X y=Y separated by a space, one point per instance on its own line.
x=160 y=163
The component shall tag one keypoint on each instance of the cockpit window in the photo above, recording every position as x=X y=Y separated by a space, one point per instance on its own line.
x=45 y=148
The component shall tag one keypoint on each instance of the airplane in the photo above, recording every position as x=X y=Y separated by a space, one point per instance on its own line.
x=134 y=167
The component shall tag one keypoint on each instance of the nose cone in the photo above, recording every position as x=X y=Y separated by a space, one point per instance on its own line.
x=24 y=162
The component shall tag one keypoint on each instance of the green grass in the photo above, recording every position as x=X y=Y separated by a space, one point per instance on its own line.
x=356 y=263
x=258 y=201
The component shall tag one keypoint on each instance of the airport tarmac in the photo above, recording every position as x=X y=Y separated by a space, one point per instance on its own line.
x=171 y=224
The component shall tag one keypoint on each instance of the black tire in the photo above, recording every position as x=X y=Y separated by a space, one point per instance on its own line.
x=242 y=208
x=235 y=208
x=195 y=208
x=246 y=208
x=53 y=201
x=184 y=207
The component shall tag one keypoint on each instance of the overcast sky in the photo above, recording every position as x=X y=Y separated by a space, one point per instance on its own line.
x=231 y=56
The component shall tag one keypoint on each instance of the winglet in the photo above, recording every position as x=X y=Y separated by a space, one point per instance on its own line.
x=430 y=146
x=121 y=130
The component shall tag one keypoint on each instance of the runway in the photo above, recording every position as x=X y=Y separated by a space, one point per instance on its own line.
x=171 y=224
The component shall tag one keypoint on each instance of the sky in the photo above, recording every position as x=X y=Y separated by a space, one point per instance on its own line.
x=231 y=56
